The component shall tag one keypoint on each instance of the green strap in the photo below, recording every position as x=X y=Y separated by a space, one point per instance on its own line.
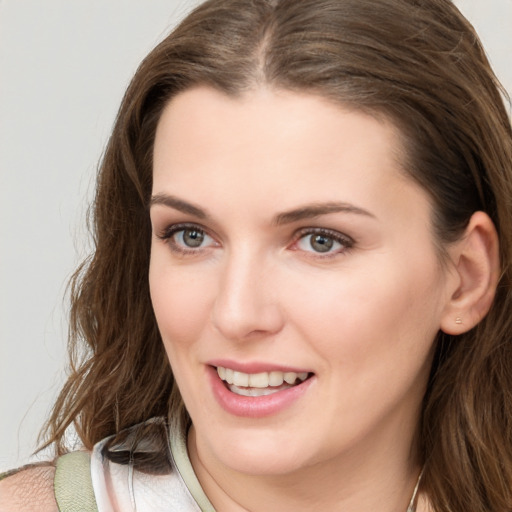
x=73 y=484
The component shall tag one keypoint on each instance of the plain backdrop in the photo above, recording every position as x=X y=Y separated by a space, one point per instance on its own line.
x=64 y=66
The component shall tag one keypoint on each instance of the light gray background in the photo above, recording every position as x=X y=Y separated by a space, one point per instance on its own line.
x=64 y=66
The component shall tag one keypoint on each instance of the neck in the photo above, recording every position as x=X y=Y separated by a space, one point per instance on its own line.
x=365 y=480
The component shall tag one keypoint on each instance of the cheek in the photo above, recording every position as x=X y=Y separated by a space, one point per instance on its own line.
x=181 y=304
x=355 y=317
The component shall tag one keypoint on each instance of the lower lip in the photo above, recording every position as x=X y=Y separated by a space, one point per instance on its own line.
x=255 y=406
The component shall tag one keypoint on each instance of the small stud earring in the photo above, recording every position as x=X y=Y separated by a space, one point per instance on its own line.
x=458 y=320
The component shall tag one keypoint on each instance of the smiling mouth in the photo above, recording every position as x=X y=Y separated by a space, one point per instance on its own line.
x=260 y=384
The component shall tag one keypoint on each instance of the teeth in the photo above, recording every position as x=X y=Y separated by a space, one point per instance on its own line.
x=241 y=379
x=259 y=380
x=275 y=378
x=256 y=391
x=290 y=377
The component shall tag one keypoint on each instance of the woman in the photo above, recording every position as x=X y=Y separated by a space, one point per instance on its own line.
x=304 y=212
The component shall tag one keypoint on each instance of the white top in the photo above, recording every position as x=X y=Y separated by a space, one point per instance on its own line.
x=148 y=471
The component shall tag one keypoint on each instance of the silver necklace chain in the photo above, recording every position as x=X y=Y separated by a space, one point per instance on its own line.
x=412 y=503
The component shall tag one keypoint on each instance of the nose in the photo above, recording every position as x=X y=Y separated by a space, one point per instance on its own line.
x=246 y=306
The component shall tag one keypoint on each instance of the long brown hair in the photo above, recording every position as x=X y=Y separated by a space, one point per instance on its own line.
x=417 y=62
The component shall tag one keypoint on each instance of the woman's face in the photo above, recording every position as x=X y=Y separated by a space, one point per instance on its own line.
x=289 y=246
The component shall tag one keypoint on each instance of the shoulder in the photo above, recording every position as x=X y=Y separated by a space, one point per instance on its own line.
x=29 y=489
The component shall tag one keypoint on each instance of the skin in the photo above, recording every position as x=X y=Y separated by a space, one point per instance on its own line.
x=361 y=317
x=30 y=490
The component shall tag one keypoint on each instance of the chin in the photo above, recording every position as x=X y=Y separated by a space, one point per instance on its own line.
x=263 y=452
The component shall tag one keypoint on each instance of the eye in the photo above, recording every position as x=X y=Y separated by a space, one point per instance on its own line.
x=323 y=241
x=187 y=238
x=191 y=238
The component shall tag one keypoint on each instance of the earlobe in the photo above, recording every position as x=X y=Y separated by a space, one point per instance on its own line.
x=476 y=262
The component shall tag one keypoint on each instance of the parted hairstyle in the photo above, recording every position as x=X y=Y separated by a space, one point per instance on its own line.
x=418 y=63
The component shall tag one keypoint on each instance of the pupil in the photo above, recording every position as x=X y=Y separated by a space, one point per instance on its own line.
x=193 y=238
x=321 y=243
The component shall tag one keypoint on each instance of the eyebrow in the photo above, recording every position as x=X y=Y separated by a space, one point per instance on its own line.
x=178 y=204
x=304 y=212
x=316 y=209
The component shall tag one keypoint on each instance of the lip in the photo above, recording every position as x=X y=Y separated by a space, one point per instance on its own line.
x=257 y=406
x=255 y=367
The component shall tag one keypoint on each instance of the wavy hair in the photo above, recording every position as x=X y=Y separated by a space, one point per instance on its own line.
x=420 y=64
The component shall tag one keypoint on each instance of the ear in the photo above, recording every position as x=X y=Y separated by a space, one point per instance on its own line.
x=476 y=264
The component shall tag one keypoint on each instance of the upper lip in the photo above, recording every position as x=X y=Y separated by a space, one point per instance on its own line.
x=256 y=366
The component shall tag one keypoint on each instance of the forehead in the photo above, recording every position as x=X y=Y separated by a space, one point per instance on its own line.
x=202 y=123
x=275 y=147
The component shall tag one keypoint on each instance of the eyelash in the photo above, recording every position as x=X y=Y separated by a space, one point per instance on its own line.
x=168 y=233
x=346 y=242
